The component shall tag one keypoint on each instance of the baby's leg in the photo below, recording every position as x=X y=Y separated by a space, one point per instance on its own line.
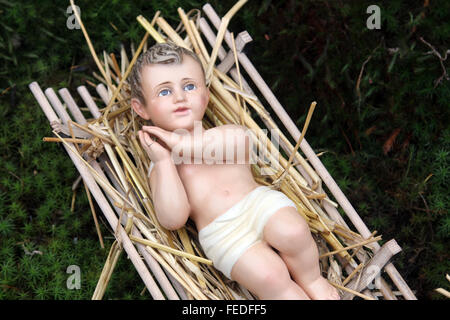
x=289 y=233
x=262 y=271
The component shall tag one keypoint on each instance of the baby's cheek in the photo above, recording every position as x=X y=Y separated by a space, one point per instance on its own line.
x=205 y=100
x=156 y=111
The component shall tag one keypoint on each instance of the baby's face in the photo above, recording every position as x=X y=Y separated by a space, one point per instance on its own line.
x=175 y=94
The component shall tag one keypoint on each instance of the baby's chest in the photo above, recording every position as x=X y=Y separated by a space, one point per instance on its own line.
x=199 y=173
x=206 y=178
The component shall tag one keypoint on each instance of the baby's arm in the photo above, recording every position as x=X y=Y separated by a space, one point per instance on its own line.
x=169 y=196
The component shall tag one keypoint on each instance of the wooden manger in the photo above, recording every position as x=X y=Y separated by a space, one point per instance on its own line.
x=113 y=167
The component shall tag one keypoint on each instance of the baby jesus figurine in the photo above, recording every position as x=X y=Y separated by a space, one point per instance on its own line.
x=253 y=234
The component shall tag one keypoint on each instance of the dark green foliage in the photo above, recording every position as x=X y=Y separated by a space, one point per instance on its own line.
x=386 y=137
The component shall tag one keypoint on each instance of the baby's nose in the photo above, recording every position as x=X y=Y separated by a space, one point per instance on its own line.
x=179 y=95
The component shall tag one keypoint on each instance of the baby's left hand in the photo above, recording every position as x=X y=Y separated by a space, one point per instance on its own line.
x=170 y=139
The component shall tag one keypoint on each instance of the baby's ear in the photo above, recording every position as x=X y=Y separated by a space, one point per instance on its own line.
x=139 y=108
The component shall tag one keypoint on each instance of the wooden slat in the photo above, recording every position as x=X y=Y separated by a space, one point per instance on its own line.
x=373 y=268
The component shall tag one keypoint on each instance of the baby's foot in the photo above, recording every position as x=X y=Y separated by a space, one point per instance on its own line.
x=321 y=289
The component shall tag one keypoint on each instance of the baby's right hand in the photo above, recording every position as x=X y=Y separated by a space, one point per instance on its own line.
x=155 y=151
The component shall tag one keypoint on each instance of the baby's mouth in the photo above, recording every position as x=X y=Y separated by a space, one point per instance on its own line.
x=181 y=109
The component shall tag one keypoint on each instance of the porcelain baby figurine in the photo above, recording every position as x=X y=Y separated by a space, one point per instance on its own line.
x=253 y=234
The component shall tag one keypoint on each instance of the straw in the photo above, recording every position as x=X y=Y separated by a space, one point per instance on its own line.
x=305 y=127
x=72 y=140
x=171 y=250
x=221 y=33
x=351 y=247
x=356 y=293
x=94 y=216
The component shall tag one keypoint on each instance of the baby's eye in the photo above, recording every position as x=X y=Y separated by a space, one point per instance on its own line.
x=164 y=93
x=190 y=87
